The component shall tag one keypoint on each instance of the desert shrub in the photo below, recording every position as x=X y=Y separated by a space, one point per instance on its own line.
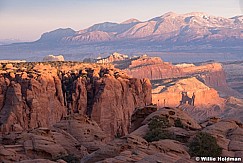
x=156 y=129
x=180 y=138
x=158 y=122
x=157 y=134
x=178 y=123
x=205 y=145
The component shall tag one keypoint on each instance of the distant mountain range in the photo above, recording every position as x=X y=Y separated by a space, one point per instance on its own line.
x=192 y=32
x=8 y=41
x=170 y=27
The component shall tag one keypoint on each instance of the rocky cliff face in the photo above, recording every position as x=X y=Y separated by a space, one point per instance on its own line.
x=234 y=75
x=113 y=109
x=154 y=68
x=45 y=94
x=170 y=92
x=30 y=100
x=212 y=74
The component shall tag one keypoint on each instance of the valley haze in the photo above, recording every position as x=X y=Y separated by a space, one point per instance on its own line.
x=190 y=37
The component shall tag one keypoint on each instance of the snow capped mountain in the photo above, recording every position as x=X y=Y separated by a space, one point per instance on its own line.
x=195 y=26
x=189 y=32
x=93 y=36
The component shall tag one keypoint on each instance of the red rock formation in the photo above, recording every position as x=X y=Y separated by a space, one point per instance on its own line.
x=73 y=137
x=85 y=131
x=30 y=103
x=42 y=97
x=133 y=148
x=115 y=105
x=212 y=74
x=77 y=138
x=169 y=93
x=140 y=114
x=152 y=68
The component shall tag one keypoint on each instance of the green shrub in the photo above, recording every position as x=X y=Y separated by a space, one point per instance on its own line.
x=178 y=123
x=157 y=134
x=156 y=129
x=158 y=122
x=204 y=145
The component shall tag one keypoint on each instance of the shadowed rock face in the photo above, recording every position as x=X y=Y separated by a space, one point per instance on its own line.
x=234 y=75
x=42 y=95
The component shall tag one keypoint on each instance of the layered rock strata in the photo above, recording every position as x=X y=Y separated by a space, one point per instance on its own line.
x=154 y=68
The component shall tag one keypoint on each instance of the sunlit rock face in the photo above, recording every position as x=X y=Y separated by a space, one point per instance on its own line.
x=39 y=95
x=177 y=92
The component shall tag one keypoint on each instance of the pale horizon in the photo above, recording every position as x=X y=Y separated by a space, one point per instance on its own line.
x=26 y=20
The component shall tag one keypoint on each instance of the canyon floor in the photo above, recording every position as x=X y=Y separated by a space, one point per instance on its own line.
x=103 y=111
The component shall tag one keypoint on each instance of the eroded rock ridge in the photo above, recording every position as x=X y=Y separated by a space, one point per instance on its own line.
x=39 y=95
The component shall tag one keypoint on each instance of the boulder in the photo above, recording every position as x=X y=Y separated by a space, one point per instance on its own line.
x=141 y=131
x=222 y=127
x=173 y=114
x=170 y=147
x=86 y=132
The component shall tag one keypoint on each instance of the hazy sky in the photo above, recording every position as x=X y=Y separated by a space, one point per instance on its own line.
x=28 y=19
